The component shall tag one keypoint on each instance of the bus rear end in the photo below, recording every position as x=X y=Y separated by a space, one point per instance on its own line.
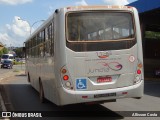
x=103 y=55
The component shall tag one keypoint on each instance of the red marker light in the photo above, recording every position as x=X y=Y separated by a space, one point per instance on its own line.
x=68 y=8
x=129 y=6
x=65 y=77
x=124 y=93
x=64 y=71
x=84 y=96
x=138 y=71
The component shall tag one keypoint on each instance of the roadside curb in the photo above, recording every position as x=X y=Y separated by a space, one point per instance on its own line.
x=5 y=76
x=2 y=103
x=3 y=107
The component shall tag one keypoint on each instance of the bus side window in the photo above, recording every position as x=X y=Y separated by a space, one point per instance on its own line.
x=43 y=42
x=51 y=39
x=41 y=48
x=47 y=42
x=52 y=42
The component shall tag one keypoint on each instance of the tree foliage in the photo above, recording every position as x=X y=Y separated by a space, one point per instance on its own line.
x=19 y=52
x=153 y=35
x=3 y=51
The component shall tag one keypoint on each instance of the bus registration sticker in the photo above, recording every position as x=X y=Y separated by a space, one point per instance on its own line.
x=104 y=79
x=81 y=84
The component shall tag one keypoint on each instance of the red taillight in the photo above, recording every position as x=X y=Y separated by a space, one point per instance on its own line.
x=129 y=6
x=84 y=96
x=138 y=71
x=65 y=77
x=124 y=93
x=64 y=71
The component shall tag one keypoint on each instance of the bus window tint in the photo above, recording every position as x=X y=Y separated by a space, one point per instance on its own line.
x=99 y=26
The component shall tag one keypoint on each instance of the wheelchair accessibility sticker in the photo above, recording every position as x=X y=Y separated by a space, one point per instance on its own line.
x=81 y=84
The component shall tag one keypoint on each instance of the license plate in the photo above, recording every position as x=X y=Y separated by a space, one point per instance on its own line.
x=105 y=95
x=104 y=79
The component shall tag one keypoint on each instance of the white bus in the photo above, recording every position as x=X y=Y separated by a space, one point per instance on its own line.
x=87 y=54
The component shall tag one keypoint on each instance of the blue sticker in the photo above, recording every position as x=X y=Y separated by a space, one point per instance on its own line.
x=81 y=84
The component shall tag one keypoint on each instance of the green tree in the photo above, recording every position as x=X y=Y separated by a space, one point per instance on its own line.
x=5 y=50
x=19 y=52
x=152 y=34
x=1 y=53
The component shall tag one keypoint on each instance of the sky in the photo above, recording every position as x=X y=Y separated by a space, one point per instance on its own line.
x=17 y=16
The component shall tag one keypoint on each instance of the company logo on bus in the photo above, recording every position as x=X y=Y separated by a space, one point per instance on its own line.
x=112 y=65
x=103 y=54
x=106 y=67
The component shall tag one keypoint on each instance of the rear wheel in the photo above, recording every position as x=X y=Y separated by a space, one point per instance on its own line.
x=138 y=97
x=41 y=92
x=28 y=78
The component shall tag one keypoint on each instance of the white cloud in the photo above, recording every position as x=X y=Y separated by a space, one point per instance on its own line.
x=82 y=2
x=19 y=27
x=116 y=2
x=51 y=10
x=14 y=2
x=5 y=39
x=16 y=32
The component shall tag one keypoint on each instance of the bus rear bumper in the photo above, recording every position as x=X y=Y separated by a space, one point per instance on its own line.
x=72 y=97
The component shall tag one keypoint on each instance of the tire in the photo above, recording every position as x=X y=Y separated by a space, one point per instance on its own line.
x=41 y=92
x=138 y=97
x=28 y=78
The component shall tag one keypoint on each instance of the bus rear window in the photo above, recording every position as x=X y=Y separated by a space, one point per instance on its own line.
x=99 y=26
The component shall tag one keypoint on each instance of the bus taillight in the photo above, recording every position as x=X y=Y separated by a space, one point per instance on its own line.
x=66 y=77
x=139 y=71
x=68 y=84
x=64 y=71
x=140 y=65
x=138 y=75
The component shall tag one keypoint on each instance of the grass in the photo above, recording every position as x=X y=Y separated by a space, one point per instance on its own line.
x=17 y=63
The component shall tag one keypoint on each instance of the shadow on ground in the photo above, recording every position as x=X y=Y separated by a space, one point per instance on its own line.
x=24 y=98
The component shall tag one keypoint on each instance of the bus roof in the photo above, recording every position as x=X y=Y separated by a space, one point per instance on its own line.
x=74 y=8
x=100 y=7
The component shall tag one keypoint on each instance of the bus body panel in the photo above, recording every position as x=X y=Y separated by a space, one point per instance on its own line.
x=68 y=97
x=108 y=78
x=89 y=66
x=139 y=40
